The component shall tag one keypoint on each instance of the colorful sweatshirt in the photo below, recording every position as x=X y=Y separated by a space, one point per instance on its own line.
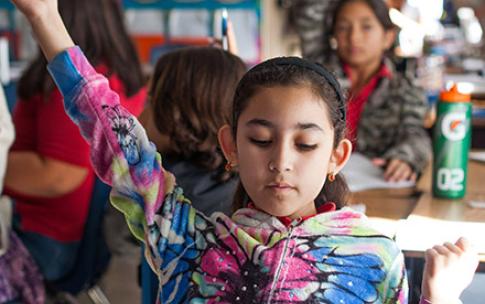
x=251 y=257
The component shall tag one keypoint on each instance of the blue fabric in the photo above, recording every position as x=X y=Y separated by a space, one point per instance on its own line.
x=11 y=94
x=93 y=255
x=53 y=258
x=149 y=282
x=64 y=72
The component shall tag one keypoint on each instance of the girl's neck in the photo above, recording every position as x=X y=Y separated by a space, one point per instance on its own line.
x=361 y=74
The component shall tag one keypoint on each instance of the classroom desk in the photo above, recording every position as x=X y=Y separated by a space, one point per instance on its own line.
x=453 y=209
x=386 y=207
x=392 y=204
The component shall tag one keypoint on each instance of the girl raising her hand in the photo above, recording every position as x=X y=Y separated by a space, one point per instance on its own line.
x=290 y=240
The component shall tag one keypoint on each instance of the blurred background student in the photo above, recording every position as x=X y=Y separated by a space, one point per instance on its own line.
x=191 y=95
x=20 y=279
x=385 y=109
x=49 y=174
x=7 y=134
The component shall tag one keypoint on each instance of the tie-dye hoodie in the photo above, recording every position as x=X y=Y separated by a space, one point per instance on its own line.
x=251 y=257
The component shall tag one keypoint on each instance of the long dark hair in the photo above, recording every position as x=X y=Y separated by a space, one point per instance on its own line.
x=97 y=26
x=270 y=74
x=191 y=95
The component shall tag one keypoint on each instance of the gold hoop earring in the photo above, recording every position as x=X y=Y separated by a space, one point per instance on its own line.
x=331 y=177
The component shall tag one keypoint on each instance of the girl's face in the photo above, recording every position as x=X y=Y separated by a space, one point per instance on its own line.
x=361 y=38
x=284 y=150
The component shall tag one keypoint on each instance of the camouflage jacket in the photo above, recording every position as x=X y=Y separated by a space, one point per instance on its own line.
x=391 y=123
x=308 y=18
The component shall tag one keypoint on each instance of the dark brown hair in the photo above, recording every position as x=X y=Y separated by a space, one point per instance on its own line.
x=191 y=96
x=271 y=74
x=378 y=7
x=97 y=27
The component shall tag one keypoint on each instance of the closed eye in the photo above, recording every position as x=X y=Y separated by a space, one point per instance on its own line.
x=305 y=147
x=261 y=143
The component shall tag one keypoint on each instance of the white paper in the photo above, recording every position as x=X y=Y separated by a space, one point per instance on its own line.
x=361 y=174
x=419 y=233
x=478 y=156
x=387 y=227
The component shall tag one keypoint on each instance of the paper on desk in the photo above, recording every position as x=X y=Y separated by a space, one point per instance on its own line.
x=419 y=233
x=478 y=156
x=387 y=227
x=361 y=174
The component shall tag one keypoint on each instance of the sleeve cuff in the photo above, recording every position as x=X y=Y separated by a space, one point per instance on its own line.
x=68 y=69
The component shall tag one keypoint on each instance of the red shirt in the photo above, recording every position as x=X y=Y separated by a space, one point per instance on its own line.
x=287 y=221
x=44 y=127
x=356 y=102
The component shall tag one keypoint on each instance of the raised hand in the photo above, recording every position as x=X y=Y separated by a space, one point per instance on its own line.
x=449 y=269
x=231 y=37
x=47 y=25
x=34 y=9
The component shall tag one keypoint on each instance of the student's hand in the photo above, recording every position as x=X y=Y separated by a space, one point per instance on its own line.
x=36 y=9
x=449 y=269
x=231 y=40
x=396 y=170
x=47 y=25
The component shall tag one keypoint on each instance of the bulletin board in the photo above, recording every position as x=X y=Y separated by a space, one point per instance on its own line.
x=245 y=15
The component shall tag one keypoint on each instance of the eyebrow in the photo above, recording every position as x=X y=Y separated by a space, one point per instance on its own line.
x=269 y=124
x=363 y=19
x=309 y=126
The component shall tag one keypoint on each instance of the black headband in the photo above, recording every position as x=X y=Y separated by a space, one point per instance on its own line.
x=320 y=70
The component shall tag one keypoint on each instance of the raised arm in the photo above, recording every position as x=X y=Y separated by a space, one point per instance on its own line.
x=122 y=156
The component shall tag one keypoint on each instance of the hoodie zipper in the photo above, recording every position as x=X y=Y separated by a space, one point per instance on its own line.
x=283 y=255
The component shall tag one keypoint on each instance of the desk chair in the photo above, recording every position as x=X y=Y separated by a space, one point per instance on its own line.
x=93 y=256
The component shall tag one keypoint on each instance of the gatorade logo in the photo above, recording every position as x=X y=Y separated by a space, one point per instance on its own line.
x=453 y=126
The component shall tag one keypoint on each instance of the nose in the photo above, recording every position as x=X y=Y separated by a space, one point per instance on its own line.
x=354 y=34
x=281 y=159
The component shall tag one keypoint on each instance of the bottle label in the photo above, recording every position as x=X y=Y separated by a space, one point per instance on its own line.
x=453 y=126
x=450 y=179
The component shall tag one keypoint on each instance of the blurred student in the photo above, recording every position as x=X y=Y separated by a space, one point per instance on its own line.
x=7 y=135
x=385 y=109
x=191 y=95
x=49 y=173
x=20 y=279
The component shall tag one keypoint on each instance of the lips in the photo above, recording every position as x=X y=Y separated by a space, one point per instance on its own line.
x=280 y=186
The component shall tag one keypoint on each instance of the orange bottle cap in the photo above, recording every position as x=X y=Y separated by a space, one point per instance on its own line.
x=453 y=95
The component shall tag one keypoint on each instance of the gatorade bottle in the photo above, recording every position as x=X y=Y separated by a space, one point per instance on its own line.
x=451 y=143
